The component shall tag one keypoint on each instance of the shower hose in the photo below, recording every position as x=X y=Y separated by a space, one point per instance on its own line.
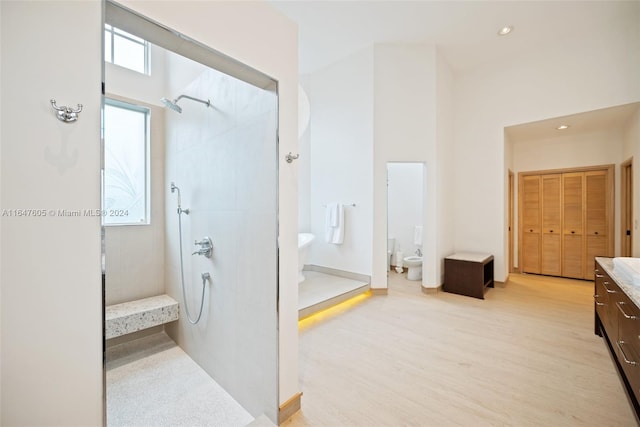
x=184 y=292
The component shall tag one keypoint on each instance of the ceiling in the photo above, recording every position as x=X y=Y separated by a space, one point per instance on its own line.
x=464 y=31
x=591 y=121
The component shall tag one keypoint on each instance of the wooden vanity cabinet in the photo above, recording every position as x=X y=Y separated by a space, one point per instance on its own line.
x=628 y=343
x=617 y=320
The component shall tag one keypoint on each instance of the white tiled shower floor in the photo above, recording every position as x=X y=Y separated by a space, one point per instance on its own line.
x=153 y=382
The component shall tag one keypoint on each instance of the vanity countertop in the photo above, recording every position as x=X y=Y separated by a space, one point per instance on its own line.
x=632 y=291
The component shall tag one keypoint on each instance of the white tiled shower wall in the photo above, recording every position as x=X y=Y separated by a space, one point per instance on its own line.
x=224 y=161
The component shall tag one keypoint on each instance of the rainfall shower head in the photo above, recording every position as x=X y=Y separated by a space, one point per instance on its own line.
x=171 y=104
x=174 y=104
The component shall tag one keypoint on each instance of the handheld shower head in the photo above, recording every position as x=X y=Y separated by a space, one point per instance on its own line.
x=175 y=188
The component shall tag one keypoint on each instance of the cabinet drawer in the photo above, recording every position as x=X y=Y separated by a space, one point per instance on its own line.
x=628 y=343
x=601 y=300
x=608 y=287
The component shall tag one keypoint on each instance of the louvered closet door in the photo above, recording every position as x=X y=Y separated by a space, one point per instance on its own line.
x=551 y=225
x=596 y=218
x=572 y=232
x=531 y=241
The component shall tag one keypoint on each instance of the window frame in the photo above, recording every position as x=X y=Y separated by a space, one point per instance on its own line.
x=127 y=105
x=114 y=32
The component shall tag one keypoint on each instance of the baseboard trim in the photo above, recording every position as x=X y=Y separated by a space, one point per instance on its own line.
x=498 y=284
x=290 y=407
x=340 y=273
x=431 y=291
x=379 y=291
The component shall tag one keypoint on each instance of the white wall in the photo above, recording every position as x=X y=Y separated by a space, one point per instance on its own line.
x=572 y=75
x=404 y=130
x=631 y=144
x=341 y=98
x=445 y=166
x=1 y=224
x=404 y=198
x=562 y=152
x=409 y=81
x=51 y=289
x=577 y=150
x=304 y=172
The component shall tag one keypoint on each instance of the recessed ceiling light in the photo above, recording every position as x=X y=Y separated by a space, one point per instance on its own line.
x=563 y=127
x=505 y=30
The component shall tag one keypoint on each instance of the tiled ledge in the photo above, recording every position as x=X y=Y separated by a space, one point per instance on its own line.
x=133 y=316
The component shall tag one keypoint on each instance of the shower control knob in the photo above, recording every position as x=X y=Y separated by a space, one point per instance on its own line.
x=205 y=243
x=206 y=247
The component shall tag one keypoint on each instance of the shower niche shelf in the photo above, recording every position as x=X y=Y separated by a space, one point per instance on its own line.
x=134 y=316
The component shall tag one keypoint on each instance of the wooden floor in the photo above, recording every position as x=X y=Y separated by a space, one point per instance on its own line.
x=526 y=355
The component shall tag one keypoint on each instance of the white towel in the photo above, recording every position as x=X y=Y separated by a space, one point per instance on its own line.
x=338 y=230
x=417 y=235
x=334 y=223
x=331 y=212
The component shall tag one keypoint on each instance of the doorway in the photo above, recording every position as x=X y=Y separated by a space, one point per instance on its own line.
x=405 y=216
x=208 y=171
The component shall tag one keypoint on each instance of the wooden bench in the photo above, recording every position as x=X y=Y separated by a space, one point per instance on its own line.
x=468 y=273
x=133 y=316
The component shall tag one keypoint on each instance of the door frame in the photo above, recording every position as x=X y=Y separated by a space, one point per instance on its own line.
x=626 y=208
x=171 y=40
x=511 y=190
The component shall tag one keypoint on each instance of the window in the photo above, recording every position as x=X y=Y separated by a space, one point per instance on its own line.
x=125 y=199
x=126 y=50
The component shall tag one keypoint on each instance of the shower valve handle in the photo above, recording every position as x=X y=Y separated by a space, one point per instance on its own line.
x=206 y=242
x=206 y=247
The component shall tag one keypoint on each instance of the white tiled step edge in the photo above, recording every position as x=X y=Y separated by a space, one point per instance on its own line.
x=133 y=316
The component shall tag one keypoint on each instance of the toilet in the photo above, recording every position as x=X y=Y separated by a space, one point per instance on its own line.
x=391 y=245
x=414 y=263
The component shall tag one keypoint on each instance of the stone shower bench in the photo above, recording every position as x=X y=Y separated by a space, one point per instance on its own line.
x=133 y=316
